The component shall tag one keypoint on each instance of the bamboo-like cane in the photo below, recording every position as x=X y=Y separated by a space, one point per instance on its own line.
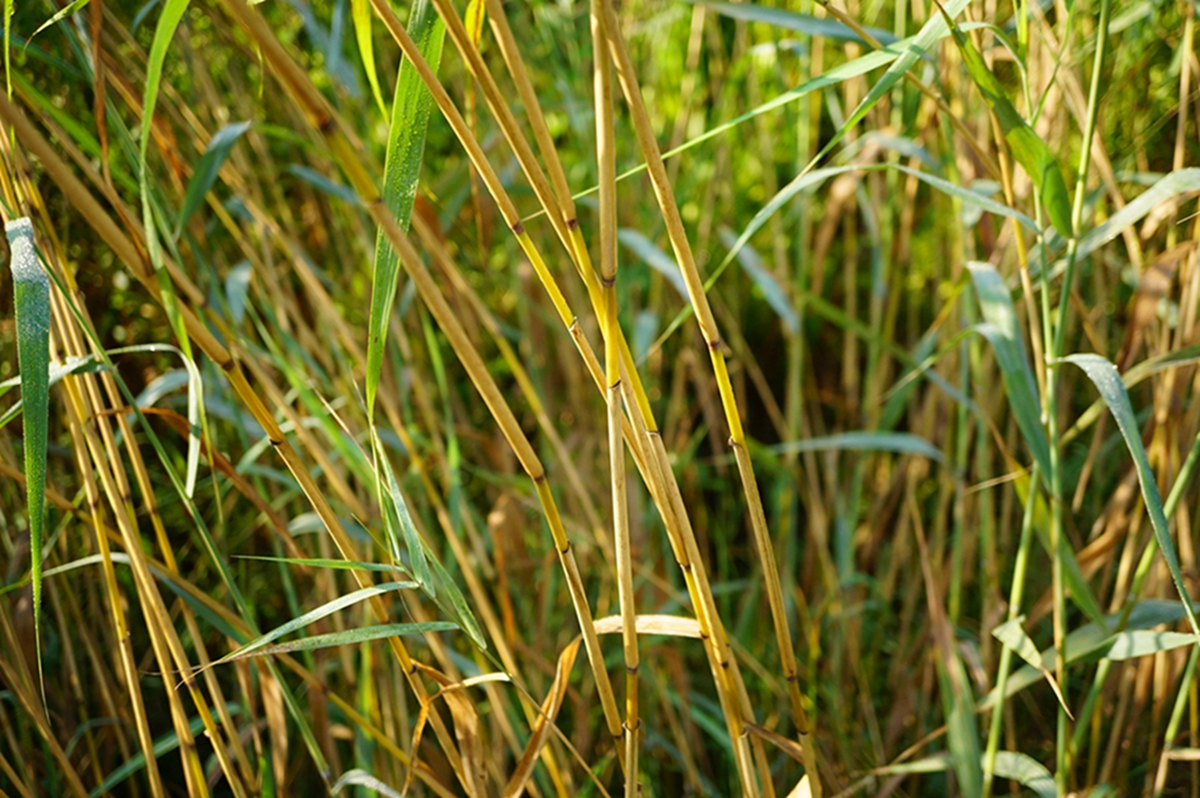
x=725 y=672
x=346 y=154
x=708 y=327
x=607 y=167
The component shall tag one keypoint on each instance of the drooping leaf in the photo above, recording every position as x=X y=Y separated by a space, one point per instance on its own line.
x=320 y=562
x=1025 y=770
x=1178 y=182
x=1003 y=332
x=791 y=20
x=655 y=258
x=1026 y=146
x=899 y=442
x=1143 y=642
x=1107 y=379
x=1013 y=635
x=411 y=108
x=205 y=174
x=324 y=611
x=361 y=778
x=772 y=291
x=361 y=634
x=59 y=16
x=360 y=11
x=31 y=293
x=324 y=184
x=911 y=51
x=1090 y=640
x=809 y=180
x=58 y=369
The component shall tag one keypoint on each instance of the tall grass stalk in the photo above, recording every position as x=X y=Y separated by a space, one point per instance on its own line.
x=292 y=545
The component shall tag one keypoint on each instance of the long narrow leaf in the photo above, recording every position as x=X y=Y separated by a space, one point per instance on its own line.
x=1029 y=150
x=324 y=611
x=31 y=290
x=1108 y=381
x=1004 y=334
x=360 y=11
x=360 y=634
x=801 y=23
x=402 y=169
x=206 y=170
x=772 y=291
x=913 y=50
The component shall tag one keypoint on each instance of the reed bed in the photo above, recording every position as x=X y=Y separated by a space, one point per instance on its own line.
x=593 y=398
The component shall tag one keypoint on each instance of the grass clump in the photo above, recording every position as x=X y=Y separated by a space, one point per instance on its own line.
x=651 y=399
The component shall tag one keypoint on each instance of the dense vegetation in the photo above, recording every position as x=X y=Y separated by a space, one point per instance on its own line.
x=693 y=398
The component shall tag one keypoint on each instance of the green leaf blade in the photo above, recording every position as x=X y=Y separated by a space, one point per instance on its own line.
x=324 y=611
x=1107 y=379
x=411 y=110
x=1027 y=147
x=205 y=174
x=348 y=637
x=31 y=289
x=1003 y=332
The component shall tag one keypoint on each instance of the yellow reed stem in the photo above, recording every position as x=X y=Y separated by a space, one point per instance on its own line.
x=346 y=154
x=704 y=316
x=606 y=160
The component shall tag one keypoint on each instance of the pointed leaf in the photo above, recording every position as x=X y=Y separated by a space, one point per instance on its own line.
x=1029 y=150
x=1013 y=635
x=31 y=292
x=790 y=20
x=458 y=602
x=360 y=11
x=205 y=174
x=772 y=291
x=360 y=634
x=1003 y=332
x=1026 y=770
x=59 y=16
x=899 y=442
x=911 y=51
x=1108 y=381
x=324 y=611
x=1141 y=643
x=361 y=778
x=411 y=108
x=397 y=522
x=653 y=257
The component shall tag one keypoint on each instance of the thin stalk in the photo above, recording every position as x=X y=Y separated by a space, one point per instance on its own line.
x=606 y=162
x=658 y=475
x=1015 y=596
x=1056 y=336
x=699 y=300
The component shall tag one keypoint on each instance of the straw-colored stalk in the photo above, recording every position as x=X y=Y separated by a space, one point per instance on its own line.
x=704 y=316
x=646 y=446
x=346 y=154
x=606 y=159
